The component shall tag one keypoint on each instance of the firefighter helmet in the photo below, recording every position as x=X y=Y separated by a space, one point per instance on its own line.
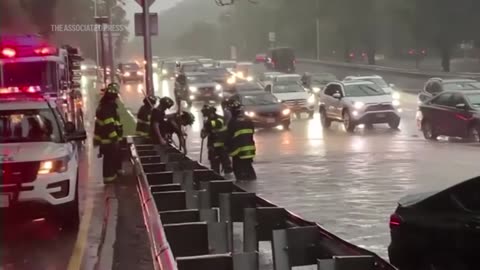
x=166 y=102
x=208 y=110
x=186 y=118
x=150 y=100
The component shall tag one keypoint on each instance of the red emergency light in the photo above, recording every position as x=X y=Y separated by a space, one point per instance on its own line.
x=21 y=89
x=46 y=51
x=9 y=52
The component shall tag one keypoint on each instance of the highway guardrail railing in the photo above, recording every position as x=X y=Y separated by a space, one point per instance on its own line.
x=190 y=212
x=393 y=70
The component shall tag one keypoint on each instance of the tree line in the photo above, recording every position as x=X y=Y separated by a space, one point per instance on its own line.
x=346 y=28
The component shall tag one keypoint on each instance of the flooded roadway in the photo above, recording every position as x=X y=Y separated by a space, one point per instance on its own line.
x=349 y=183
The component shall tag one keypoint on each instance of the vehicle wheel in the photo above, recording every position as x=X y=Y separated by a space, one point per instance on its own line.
x=310 y=115
x=428 y=131
x=69 y=214
x=286 y=125
x=326 y=122
x=474 y=134
x=369 y=126
x=348 y=122
x=394 y=124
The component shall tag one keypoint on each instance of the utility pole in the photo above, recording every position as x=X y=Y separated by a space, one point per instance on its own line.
x=317 y=27
x=147 y=46
x=110 y=41
x=97 y=49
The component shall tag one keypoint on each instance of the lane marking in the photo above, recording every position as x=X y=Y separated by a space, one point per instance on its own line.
x=76 y=259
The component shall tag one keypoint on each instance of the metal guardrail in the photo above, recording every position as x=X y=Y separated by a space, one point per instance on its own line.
x=402 y=71
x=195 y=209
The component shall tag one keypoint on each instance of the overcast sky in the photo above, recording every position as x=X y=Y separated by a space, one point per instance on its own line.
x=133 y=7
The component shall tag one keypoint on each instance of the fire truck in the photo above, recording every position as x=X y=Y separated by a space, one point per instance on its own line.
x=28 y=63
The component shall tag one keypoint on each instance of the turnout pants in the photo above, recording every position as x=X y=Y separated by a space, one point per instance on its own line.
x=243 y=169
x=218 y=156
x=112 y=161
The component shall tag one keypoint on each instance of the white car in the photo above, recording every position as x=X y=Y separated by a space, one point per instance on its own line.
x=288 y=78
x=39 y=160
x=378 y=80
x=294 y=95
x=227 y=64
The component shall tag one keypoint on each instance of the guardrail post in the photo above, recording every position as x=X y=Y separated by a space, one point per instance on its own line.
x=297 y=246
x=259 y=224
x=347 y=263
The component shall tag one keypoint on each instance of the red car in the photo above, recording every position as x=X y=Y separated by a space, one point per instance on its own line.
x=260 y=58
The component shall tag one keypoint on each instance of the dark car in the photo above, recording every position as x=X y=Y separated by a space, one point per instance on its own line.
x=130 y=72
x=451 y=113
x=281 y=59
x=191 y=66
x=242 y=86
x=264 y=109
x=437 y=230
x=436 y=86
x=168 y=69
x=315 y=82
x=201 y=87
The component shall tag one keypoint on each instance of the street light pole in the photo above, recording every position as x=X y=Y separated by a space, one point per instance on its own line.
x=147 y=45
x=97 y=54
x=110 y=41
x=317 y=27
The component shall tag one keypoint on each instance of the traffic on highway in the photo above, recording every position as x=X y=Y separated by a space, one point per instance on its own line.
x=335 y=164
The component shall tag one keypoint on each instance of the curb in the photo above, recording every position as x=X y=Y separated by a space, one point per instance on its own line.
x=411 y=72
x=109 y=231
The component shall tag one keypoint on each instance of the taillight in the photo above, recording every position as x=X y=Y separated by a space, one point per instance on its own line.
x=395 y=221
x=9 y=52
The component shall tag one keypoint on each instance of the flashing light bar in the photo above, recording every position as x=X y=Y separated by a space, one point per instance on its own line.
x=21 y=89
x=46 y=51
x=9 y=52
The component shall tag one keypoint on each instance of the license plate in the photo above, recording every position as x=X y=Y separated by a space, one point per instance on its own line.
x=270 y=120
x=4 y=201
x=381 y=115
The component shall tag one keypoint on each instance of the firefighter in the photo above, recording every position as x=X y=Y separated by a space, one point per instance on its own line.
x=215 y=129
x=240 y=143
x=180 y=88
x=143 y=116
x=158 y=122
x=226 y=111
x=108 y=133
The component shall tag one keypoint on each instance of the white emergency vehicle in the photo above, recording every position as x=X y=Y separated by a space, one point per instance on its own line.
x=30 y=62
x=39 y=159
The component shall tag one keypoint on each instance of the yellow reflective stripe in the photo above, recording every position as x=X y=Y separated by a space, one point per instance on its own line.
x=218 y=144
x=247 y=156
x=221 y=121
x=220 y=130
x=241 y=149
x=141 y=133
x=242 y=132
x=112 y=135
x=117 y=123
x=213 y=123
x=109 y=179
x=107 y=121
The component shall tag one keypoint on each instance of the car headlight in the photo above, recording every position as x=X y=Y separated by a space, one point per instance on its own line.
x=358 y=105
x=316 y=90
x=395 y=95
x=240 y=74
x=83 y=67
x=311 y=100
x=249 y=78
x=126 y=74
x=218 y=87
x=193 y=89
x=139 y=73
x=250 y=114
x=53 y=166
x=231 y=80
x=286 y=112
x=164 y=72
x=396 y=103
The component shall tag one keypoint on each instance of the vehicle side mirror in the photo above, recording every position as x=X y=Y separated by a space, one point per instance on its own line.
x=461 y=106
x=337 y=95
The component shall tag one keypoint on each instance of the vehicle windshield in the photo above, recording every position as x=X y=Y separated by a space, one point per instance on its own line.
x=379 y=82
x=260 y=99
x=289 y=78
x=323 y=78
x=459 y=86
x=199 y=78
x=220 y=72
x=28 y=126
x=363 y=90
x=227 y=64
x=474 y=100
x=43 y=74
x=288 y=87
x=131 y=66
x=190 y=67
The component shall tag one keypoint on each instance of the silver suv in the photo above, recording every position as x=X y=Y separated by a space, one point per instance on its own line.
x=358 y=102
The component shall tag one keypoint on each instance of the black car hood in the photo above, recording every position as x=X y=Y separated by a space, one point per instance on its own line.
x=265 y=108
x=413 y=199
